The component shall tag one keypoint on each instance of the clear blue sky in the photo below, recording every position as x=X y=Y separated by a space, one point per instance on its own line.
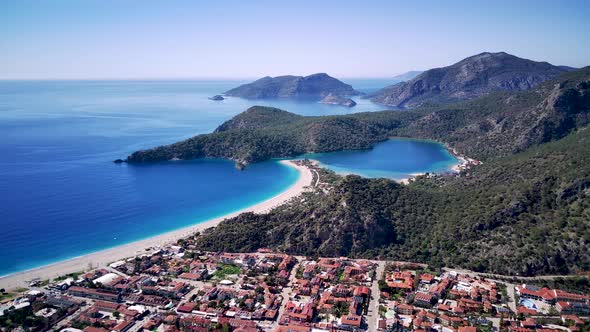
x=246 y=39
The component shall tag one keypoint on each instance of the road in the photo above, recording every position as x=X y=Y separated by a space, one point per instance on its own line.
x=511 y=300
x=373 y=313
x=138 y=326
x=287 y=290
x=500 y=276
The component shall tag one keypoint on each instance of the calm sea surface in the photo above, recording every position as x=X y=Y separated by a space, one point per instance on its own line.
x=395 y=159
x=61 y=196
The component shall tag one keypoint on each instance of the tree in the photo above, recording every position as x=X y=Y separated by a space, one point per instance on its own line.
x=116 y=314
x=340 y=309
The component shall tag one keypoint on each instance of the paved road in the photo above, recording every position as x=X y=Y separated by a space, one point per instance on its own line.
x=285 y=294
x=373 y=313
x=511 y=296
x=491 y=275
x=138 y=326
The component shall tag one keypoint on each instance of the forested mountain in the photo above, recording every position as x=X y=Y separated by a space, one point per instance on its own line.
x=522 y=214
x=316 y=86
x=499 y=124
x=526 y=210
x=469 y=78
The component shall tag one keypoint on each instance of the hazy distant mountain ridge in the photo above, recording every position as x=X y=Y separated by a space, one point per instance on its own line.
x=469 y=78
x=315 y=86
x=406 y=76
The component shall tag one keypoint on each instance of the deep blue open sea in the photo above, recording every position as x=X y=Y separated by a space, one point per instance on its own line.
x=61 y=196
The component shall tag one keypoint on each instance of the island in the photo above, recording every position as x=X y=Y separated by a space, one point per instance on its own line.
x=332 y=99
x=217 y=98
x=314 y=87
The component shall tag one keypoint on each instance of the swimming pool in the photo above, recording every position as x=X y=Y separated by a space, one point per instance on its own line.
x=529 y=304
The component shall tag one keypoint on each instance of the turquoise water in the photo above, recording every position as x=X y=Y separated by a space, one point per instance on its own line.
x=529 y=304
x=394 y=159
x=60 y=194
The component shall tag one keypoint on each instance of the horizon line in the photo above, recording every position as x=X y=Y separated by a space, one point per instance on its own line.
x=212 y=78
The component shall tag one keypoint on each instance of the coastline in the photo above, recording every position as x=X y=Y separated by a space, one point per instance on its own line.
x=463 y=163
x=104 y=257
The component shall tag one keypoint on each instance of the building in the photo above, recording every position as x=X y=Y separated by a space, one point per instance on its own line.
x=96 y=294
x=404 y=309
x=350 y=322
x=423 y=300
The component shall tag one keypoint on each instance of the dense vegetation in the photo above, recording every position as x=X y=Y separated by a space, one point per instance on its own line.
x=523 y=214
x=501 y=124
x=525 y=211
x=315 y=86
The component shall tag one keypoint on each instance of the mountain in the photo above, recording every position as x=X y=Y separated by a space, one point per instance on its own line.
x=406 y=76
x=522 y=214
x=315 y=86
x=473 y=77
x=496 y=125
x=524 y=211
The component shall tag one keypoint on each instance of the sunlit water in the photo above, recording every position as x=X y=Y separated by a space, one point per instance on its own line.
x=394 y=159
x=60 y=194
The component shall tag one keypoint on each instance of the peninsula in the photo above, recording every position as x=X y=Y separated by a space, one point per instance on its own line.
x=332 y=99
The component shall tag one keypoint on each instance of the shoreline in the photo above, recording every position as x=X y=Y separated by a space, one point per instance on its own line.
x=462 y=163
x=103 y=257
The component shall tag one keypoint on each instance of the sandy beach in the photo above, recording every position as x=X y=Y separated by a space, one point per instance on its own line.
x=104 y=257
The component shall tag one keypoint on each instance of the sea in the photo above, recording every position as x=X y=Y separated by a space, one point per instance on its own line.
x=61 y=196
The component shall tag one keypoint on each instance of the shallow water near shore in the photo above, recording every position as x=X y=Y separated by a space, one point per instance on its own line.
x=60 y=194
x=395 y=159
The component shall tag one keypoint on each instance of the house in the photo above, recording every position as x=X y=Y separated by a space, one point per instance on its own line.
x=575 y=308
x=94 y=329
x=363 y=291
x=351 y=321
x=124 y=326
x=467 y=329
x=299 y=312
x=292 y=328
x=438 y=290
x=423 y=300
x=570 y=297
x=550 y=296
x=400 y=280
x=450 y=320
x=97 y=294
x=426 y=278
x=404 y=309
x=571 y=318
x=226 y=258
x=186 y=308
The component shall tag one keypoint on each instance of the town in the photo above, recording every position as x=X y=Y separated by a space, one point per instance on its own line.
x=176 y=288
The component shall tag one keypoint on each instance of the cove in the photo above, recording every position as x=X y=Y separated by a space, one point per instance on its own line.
x=396 y=158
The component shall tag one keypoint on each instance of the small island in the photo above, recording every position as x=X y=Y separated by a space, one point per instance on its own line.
x=217 y=98
x=314 y=87
x=332 y=99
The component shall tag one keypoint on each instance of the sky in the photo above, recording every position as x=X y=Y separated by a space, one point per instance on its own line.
x=120 y=39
